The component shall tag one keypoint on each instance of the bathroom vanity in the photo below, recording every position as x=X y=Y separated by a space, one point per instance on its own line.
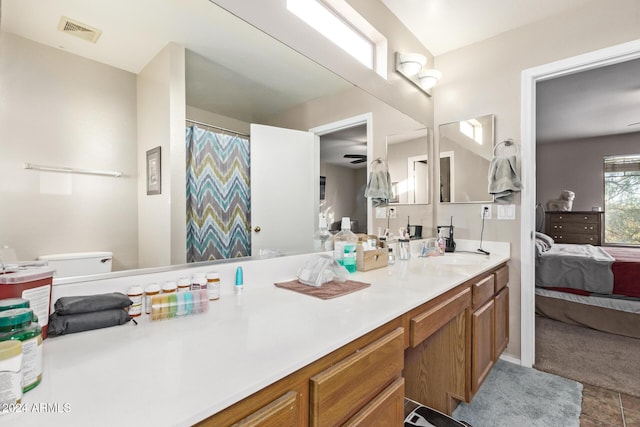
x=428 y=328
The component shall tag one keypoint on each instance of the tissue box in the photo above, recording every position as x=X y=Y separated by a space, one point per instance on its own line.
x=370 y=260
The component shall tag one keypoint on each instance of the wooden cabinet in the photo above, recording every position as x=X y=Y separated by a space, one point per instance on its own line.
x=282 y=412
x=386 y=409
x=436 y=363
x=489 y=325
x=575 y=227
x=337 y=393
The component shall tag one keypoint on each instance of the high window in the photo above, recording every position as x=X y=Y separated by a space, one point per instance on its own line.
x=473 y=129
x=622 y=199
x=341 y=24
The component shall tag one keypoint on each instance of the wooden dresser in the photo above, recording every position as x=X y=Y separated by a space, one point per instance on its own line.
x=575 y=227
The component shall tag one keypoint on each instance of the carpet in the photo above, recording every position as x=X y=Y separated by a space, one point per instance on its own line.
x=589 y=356
x=513 y=395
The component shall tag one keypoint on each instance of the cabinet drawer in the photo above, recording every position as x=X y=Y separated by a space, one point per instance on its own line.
x=574 y=227
x=576 y=238
x=576 y=217
x=502 y=278
x=386 y=409
x=426 y=324
x=483 y=291
x=281 y=412
x=340 y=391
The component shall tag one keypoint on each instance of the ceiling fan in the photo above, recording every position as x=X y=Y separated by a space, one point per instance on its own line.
x=359 y=158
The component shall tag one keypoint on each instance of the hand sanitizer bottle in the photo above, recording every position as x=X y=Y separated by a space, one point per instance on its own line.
x=322 y=239
x=345 y=246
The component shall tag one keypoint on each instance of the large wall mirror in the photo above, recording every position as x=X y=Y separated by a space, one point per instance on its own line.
x=409 y=166
x=466 y=150
x=71 y=102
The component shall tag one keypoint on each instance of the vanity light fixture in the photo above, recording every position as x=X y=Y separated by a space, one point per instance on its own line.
x=429 y=78
x=410 y=66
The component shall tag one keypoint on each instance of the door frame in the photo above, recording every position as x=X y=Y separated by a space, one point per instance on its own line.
x=529 y=77
x=366 y=119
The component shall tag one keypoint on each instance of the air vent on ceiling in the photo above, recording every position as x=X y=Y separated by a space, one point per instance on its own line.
x=78 y=29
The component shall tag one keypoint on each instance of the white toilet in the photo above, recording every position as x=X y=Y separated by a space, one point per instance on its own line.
x=79 y=263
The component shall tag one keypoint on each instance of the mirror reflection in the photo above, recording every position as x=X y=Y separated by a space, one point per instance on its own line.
x=408 y=160
x=102 y=106
x=466 y=150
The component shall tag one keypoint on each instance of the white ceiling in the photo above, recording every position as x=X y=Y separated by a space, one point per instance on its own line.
x=587 y=104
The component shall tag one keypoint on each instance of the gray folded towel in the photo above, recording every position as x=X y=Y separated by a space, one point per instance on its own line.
x=504 y=180
x=379 y=187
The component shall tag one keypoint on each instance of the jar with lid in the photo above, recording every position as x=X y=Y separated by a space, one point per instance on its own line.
x=198 y=281
x=135 y=295
x=11 y=303
x=149 y=291
x=17 y=324
x=184 y=284
x=213 y=285
x=10 y=374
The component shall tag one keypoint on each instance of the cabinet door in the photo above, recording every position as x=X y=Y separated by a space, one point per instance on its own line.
x=482 y=342
x=386 y=409
x=338 y=393
x=282 y=412
x=501 y=301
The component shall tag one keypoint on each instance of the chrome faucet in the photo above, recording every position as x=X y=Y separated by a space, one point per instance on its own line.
x=449 y=243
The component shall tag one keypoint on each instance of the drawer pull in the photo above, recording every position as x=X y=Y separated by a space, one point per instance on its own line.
x=586 y=218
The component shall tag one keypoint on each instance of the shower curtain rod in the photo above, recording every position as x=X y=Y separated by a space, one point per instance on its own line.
x=218 y=127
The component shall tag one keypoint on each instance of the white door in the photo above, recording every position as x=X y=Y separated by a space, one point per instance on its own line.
x=284 y=189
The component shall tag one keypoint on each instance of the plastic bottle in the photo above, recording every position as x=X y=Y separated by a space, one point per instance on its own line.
x=184 y=284
x=17 y=324
x=345 y=246
x=149 y=292
x=441 y=243
x=169 y=287
x=213 y=285
x=198 y=281
x=135 y=295
x=322 y=239
x=10 y=374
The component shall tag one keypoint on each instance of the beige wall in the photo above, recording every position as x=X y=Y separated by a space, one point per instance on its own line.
x=484 y=78
x=585 y=178
x=62 y=110
x=161 y=118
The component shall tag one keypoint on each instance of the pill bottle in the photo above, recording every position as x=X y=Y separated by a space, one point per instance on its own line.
x=184 y=284
x=151 y=290
x=135 y=295
x=213 y=285
x=169 y=287
x=17 y=324
x=198 y=281
x=10 y=374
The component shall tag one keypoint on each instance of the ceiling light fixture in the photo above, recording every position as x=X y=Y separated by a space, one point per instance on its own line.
x=410 y=66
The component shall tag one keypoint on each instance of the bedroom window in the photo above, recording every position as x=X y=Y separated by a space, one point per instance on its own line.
x=622 y=199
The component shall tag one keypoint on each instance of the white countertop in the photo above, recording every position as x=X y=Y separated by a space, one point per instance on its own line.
x=182 y=370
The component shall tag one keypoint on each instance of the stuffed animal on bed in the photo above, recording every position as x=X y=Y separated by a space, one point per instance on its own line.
x=563 y=203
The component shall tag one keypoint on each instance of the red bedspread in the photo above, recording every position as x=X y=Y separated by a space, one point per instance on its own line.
x=626 y=270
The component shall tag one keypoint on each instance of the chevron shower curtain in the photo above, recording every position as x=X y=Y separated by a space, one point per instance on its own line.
x=218 y=199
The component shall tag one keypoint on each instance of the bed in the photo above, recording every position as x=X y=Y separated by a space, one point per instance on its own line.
x=593 y=286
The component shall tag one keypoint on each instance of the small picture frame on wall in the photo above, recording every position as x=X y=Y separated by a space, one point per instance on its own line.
x=154 y=177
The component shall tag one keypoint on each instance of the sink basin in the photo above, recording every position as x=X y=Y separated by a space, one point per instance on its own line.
x=458 y=259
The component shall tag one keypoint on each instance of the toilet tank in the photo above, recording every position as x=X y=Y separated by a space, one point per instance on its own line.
x=79 y=263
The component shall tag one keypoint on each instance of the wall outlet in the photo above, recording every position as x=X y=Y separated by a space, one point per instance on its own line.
x=392 y=213
x=381 y=213
x=485 y=211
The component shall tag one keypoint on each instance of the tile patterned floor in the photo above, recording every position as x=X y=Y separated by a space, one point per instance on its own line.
x=606 y=408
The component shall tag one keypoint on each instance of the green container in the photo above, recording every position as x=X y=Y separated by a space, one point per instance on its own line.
x=11 y=303
x=17 y=324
